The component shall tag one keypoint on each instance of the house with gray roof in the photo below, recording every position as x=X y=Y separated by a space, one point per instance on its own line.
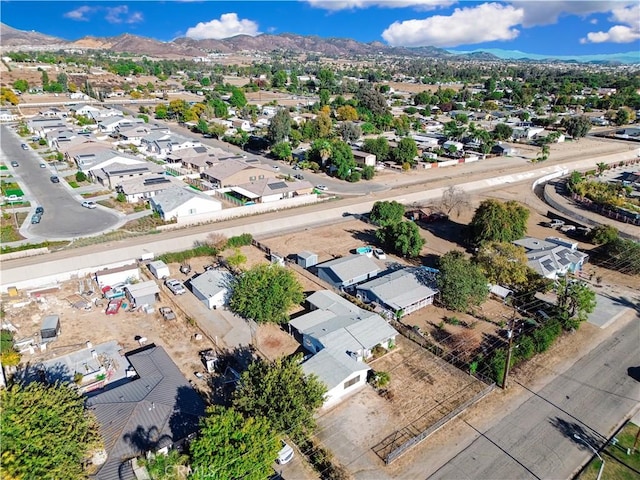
x=145 y=187
x=341 y=336
x=100 y=158
x=402 y=291
x=552 y=257
x=181 y=202
x=114 y=174
x=346 y=271
x=157 y=409
x=212 y=288
x=272 y=189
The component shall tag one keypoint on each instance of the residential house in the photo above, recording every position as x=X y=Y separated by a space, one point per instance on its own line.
x=84 y=109
x=402 y=291
x=7 y=115
x=364 y=159
x=552 y=257
x=503 y=150
x=163 y=144
x=181 y=202
x=452 y=145
x=272 y=189
x=212 y=287
x=526 y=132
x=99 y=159
x=341 y=336
x=53 y=112
x=110 y=124
x=116 y=173
x=346 y=271
x=236 y=172
x=560 y=137
x=41 y=126
x=157 y=409
x=111 y=276
x=199 y=163
x=146 y=187
x=240 y=124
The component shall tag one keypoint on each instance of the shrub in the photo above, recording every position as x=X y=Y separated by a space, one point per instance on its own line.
x=81 y=177
x=240 y=241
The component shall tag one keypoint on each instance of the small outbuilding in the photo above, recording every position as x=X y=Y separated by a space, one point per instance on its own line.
x=212 y=288
x=50 y=329
x=346 y=271
x=112 y=276
x=307 y=259
x=143 y=293
x=159 y=269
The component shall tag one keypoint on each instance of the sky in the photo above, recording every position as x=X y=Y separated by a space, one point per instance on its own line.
x=569 y=27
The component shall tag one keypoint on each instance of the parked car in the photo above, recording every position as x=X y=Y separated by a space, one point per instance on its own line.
x=379 y=253
x=555 y=223
x=89 y=205
x=39 y=210
x=14 y=164
x=35 y=218
x=567 y=228
x=55 y=179
x=285 y=455
x=275 y=167
x=25 y=146
x=176 y=287
x=324 y=188
x=297 y=176
x=43 y=165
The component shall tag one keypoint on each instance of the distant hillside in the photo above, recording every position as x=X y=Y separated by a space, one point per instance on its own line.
x=14 y=37
x=628 y=57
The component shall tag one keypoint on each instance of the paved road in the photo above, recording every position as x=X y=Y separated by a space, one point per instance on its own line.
x=64 y=217
x=536 y=440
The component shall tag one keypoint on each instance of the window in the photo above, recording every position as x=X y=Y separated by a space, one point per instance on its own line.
x=353 y=381
x=251 y=179
x=192 y=211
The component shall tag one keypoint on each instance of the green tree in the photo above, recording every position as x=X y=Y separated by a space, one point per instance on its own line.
x=386 y=213
x=161 y=111
x=502 y=132
x=230 y=446
x=279 y=79
x=281 y=151
x=46 y=431
x=368 y=172
x=165 y=467
x=21 y=85
x=265 y=293
x=279 y=127
x=342 y=159
x=603 y=234
x=497 y=221
x=220 y=109
x=575 y=301
x=623 y=116
x=504 y=263
x=202 y=126
x=461 y=282
x=624 y=253
x=403 y=238
x=9 y=356
x=378 y=146
x=281 y=392
x=577 y=127
x=81 y=176
x=371 y=99
x=406 y=151
x=237 y=99
x=349 y=132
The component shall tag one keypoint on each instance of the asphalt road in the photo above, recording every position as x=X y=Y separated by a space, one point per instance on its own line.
x=536 y=441
x=64 y=216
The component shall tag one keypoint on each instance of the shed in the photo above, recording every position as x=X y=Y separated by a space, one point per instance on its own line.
x=307 y=259
x=212 y=287
x=50 y=328
x=346 y=271
x=159 y=269
x=112 y=276
x=143 y=293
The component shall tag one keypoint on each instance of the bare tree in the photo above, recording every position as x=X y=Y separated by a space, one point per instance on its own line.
x=454 y=199
x=217 y=240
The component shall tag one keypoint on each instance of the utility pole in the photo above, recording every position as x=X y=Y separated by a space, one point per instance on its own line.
x=508 y=361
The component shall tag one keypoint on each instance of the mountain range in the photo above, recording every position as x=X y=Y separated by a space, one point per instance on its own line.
x=332 y=47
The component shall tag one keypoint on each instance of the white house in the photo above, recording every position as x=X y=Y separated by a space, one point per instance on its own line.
x=7 y=116
x=212 y=288
x=364 y=159
x=451 y=144
x=347 y=271
x=182 y=202
x=111 y=276
x=341 y=336
x=101 y=158
x=552 y=257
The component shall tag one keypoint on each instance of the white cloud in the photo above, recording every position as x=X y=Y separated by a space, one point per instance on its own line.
x=547 y=12
x=227 y=26
x=121 y=14
x=483 y=23
x=80 y=14
x=627 y=30
x=335 y=5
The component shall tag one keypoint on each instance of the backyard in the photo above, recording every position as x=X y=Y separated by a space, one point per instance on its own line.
x=621 y=457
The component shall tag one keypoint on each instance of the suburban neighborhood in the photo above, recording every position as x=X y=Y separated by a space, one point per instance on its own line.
x=271 y=263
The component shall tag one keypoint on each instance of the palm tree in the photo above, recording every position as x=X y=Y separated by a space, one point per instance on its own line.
x=602 y=167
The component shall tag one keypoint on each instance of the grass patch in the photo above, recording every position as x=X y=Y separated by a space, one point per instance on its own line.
x=4 y=167
x=73 y=184
x=144 y=224
x=8 y=231
x=618 y=465
x=31 y=246
x=179 y=257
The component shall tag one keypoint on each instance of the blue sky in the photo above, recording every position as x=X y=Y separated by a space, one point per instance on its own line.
x=570 y=27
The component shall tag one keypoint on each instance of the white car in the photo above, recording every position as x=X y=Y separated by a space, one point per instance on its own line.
x=324 y=188
x=285 y=455
x=379 y=253
x=275 y=167
x=176 y=287
x=91 y=205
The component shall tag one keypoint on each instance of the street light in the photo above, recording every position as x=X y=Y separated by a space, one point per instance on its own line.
x=578 y=437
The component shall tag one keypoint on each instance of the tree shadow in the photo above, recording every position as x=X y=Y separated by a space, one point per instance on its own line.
x=584 y=439
x=448 y=230
x=147 y=439
x=48 y=374
x=229 y=367
x=366 y=236
x=187 y=411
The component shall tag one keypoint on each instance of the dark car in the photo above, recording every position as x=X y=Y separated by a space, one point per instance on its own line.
x=298 y=176
x=39 y=210
x=14 y=164
x=55 y=179
x=25 y=146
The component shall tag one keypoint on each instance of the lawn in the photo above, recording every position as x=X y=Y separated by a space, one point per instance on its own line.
x=618 y=465
x=11 y=188
x=8 y=230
